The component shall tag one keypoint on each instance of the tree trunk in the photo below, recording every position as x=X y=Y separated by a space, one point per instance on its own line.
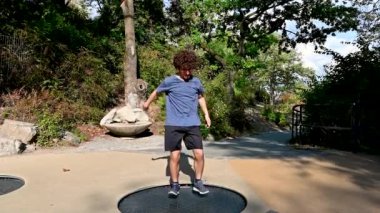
x=130 y=57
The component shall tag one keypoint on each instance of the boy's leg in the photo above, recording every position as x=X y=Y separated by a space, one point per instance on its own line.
x=198 y=163
x=174 y=165
x=199 y=166
x=173 y=139
x=193 y=140
x=174 y=173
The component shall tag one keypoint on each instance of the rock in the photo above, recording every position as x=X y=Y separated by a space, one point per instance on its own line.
x=10 y=146
x=71 y=138
x=17 y=137
x=18 y=130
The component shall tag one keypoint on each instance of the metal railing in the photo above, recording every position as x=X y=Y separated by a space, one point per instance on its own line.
x=319 y=130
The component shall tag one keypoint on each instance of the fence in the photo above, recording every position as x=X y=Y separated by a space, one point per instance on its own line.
x=323 y=128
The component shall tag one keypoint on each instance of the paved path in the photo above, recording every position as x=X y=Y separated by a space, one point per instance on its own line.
x=265 y=145
x=272 y=176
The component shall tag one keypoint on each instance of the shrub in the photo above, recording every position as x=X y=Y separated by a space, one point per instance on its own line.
x=52 y=114
x=49 y=128
x=276 y=116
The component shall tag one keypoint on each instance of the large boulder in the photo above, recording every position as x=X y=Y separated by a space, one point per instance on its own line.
x=18 y=130
x=10 y=146
x=16 y=136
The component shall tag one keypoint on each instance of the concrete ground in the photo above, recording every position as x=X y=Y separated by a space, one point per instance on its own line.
x=272 y=176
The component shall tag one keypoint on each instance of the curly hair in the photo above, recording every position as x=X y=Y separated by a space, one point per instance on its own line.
x=186 y=59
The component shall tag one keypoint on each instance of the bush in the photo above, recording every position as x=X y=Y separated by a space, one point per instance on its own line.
x=50 y=127
x=52 y=115
x=274 y=115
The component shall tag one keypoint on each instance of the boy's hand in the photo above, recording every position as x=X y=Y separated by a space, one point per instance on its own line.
x=208 y=121
x=145 y=105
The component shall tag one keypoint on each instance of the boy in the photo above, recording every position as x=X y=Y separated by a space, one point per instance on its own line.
x=183 y=94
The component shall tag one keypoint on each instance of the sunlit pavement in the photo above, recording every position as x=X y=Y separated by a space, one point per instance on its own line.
x=271 y=175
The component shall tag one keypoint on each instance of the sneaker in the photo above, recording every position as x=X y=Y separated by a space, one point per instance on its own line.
x=200 y=188
x=174 y=189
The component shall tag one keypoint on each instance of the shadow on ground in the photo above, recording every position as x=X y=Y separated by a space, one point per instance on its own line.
x=362 y=170
x=273 y=144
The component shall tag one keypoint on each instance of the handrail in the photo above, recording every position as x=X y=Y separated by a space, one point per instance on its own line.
x=299 y=127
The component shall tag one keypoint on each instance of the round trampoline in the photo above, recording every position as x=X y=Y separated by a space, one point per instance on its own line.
x=156 y=199
x=9 y=184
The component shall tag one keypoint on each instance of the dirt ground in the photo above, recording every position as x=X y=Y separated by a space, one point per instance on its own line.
x=339 y=182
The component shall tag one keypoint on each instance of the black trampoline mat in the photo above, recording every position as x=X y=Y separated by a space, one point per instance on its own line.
x=9 y=184
x=156 y=199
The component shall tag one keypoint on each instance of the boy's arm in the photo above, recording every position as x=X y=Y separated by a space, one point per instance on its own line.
x=151 y=98
x=202 y=103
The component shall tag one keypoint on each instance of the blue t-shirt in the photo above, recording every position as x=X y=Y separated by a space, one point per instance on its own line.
x=181 y=100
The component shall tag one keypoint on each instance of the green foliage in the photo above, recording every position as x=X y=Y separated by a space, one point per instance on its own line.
x=219 y=108
x=369 y=14
x=270 y=114
x=162 y=105
x=275 y=115
x=86 y=80
x=347 y=97
x=82 y=136
x=79 y=60
x=149 y=22
x=281 y=73
x=283 y=120
x=45 y=109
x=204 y=131
x=155 y=64
x=253 y=21
x=49 y=128
x=239 y=120
x=244 y=89
x=56 y=28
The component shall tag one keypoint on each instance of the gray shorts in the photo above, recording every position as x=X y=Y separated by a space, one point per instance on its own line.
x=191 y=136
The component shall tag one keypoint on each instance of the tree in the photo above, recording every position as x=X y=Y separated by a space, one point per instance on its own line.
x=349 y=91
x=251 y=21
x=369 y=28
x=281 y=72
x=249 y=25
x=130 y=58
